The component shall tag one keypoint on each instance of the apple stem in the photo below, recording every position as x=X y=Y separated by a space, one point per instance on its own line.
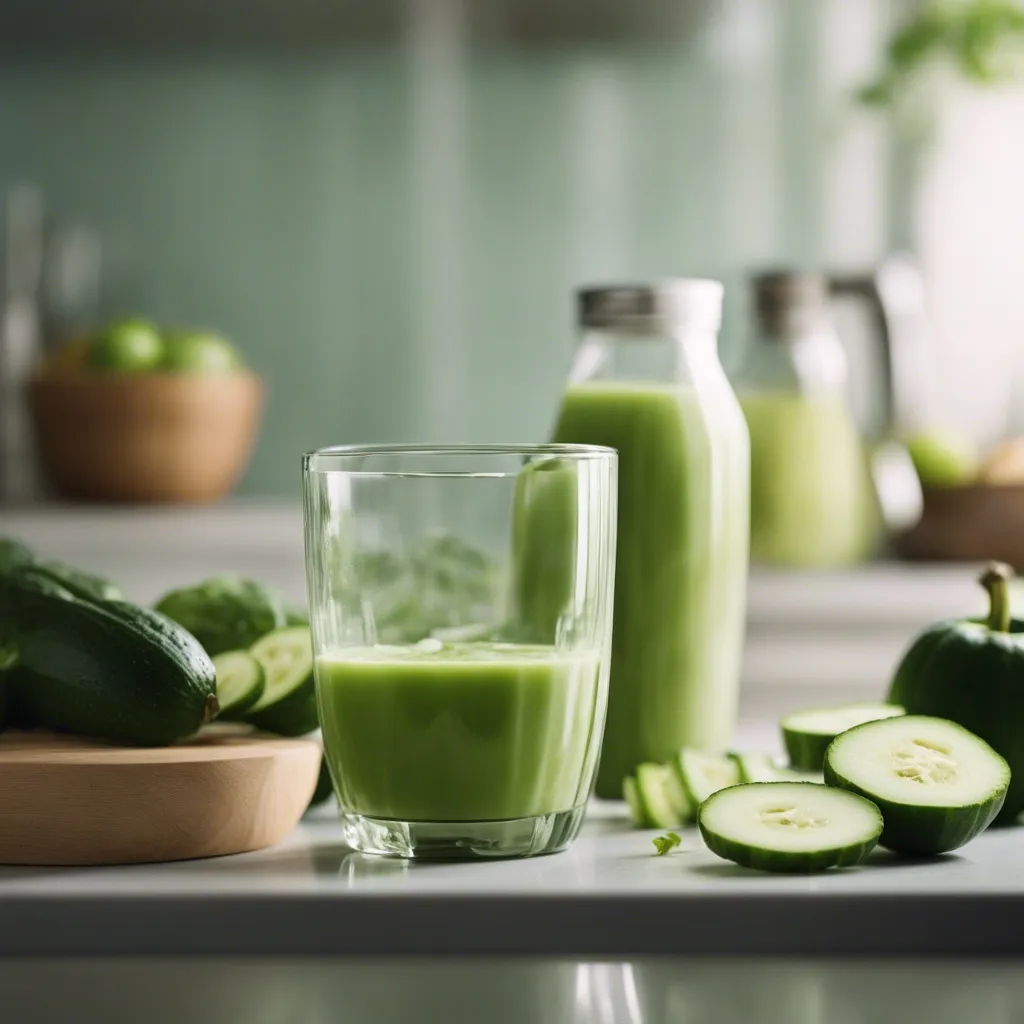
x=995 y=579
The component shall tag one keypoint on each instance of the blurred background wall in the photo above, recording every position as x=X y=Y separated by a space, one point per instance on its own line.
x=387 y=205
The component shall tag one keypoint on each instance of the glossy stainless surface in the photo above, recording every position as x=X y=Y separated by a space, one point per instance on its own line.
x=523 y=991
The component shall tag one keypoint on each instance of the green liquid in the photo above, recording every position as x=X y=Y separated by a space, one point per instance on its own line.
x=459 y=732
x=812 y=503
x=681 y=564
x=544 y=540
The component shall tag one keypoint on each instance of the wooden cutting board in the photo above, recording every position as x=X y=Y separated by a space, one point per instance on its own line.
x=69 y=801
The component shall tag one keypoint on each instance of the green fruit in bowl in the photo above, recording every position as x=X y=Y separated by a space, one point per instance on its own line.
x=942 y=459
x=204 y=352
x=128 y=346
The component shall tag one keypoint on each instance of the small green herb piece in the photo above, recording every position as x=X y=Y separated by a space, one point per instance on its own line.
x=666 y=843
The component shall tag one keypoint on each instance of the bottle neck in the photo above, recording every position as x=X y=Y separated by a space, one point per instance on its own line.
x=810 y=362
x=686 y=357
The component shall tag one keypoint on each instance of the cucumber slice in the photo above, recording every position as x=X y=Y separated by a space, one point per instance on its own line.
x=937 y=784
x=287 y=705
x=662 y=798
x=789 y=826
x=240 y=682
x=632 y=797
x=703 y=774
x=763 y=768
x=807 y=734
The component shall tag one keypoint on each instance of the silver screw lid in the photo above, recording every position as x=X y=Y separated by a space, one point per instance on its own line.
x=784 y=298
x=661 y=308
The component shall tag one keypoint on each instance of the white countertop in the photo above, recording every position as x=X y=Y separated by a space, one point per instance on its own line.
x=607 y=896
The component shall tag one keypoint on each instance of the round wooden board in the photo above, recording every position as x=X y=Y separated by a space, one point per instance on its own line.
x=69 y=801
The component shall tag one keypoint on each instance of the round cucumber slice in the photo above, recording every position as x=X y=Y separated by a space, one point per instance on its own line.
x=703 y=774
x=240 y=682
x=632 y=797
x=789 y=826
x=936 y=784
x=287 y=705
x=664 y=802
x=763 y=768
x=807 y=734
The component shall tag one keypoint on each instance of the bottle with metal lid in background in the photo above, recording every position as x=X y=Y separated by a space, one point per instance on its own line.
x=647 y=381
x=813 y=502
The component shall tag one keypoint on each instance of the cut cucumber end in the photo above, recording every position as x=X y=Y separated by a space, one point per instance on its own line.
x=632 y=797
x=287 y=705
x=808 y=733
x=702 y=774
x=240 y=682
x=789 y=826
x=936 y=784
x=764 y=768
x=287 y=659
x=664 y=802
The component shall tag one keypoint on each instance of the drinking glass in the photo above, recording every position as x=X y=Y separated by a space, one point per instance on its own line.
x=461 y=608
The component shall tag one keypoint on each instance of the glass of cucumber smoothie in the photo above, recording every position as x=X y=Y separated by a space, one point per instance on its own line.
x=461 y=610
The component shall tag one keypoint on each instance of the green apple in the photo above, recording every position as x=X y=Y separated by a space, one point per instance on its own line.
x=127 y=346
x=203 y=352
x=942 y=458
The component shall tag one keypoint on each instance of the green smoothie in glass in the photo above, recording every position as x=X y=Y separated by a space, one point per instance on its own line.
x=438 y=732
x=647 y=382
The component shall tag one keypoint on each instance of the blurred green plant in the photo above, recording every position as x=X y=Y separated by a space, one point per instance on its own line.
x=982 y=40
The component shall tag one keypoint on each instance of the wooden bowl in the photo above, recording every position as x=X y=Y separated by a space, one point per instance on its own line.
x=71 y=801
x=968 y=524
x=145 y=438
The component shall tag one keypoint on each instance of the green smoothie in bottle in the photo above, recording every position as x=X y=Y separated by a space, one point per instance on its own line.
x=812 y=499
x=647 y=381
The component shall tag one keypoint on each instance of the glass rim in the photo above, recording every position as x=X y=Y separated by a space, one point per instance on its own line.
x=345 y=452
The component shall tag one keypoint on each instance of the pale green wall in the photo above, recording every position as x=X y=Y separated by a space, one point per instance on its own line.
x=393 y=234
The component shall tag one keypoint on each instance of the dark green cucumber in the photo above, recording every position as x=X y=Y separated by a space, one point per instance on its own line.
x=324 y=787
x=84 y=585
x=936 y=784
x=971 y=671
x=12 y=553
x=224 y=613
x=114 y=672
x=789 y=826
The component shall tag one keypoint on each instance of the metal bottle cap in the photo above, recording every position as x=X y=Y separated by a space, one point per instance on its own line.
x=660 y=308
x=783 y=297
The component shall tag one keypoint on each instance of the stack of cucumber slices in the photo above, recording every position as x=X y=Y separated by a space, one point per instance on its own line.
x=270 y=685
x=859 y=776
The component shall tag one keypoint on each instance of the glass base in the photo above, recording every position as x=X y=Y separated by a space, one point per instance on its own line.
x=462 y=840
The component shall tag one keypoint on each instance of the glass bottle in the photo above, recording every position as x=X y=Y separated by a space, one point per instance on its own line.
x=647 y=381
x=813 y=501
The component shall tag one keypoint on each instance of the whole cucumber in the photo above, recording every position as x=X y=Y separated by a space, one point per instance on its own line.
x=115 y=671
